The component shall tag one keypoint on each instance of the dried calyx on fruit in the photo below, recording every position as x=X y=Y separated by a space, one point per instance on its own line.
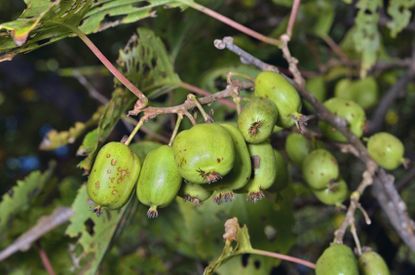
x=264 y=170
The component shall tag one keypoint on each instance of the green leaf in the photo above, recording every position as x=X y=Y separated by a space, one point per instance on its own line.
x=145 y=60
x=400 y=13
x=20 y=197
x=88 y=143
x=42 y=22
x=366 y=35
x=94 y=233
x=236 y=242
x=199 y=229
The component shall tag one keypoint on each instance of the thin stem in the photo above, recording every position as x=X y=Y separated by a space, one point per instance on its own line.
x=283 y=257
x=356 y=238
x=190 y=117
x=176 y=128
x=232 y=23
x=206 y=117
x=130 y=86
x=293 y=16
x=45 y=261
x=135 y=130
x=245 y=57
x=200 y=91
x=104 y=60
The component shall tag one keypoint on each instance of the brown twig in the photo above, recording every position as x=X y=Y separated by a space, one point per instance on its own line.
x=44 y=225
x=336 y=49
x=199 y=91
x=128 y=121
x=397 y=215
x=232 y=23
x=245 y=57
x=232 y=90
x=387 y=100
x=293 y=16
x=45 y=261
x=283 y=257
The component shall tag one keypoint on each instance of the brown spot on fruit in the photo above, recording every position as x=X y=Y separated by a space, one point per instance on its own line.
x=113 y=162
x=255 y=127
x=108 y=156
x=97 y=184
x=256 y=161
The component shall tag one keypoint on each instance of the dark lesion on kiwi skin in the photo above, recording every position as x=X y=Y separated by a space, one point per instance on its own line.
x=255 y=127
x=209 y=177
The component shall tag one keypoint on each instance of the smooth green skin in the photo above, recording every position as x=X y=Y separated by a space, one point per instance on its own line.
x=344 y=89
x=333 y=195
x=258 y=110
x=239 y=176
x=205 y=147
x=371 y=263
x=316 y=86
x=386 y=149
x=319 y=168
x=190 y=192
x=113 y=175
x=264 y=174
x=275 y=87
x=297 y=148
x=364 y=91
x=160 y=180
x=337 y=259
x=348 y=110
x=282 y=177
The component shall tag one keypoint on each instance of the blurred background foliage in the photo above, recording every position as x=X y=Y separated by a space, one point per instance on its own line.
x=44 y=90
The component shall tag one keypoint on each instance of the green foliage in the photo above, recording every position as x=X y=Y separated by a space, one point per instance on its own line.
x=43 y=21
x=366 y=35
x=22 y=195
x=400 y=13
x=94 y=233
x=144 y=60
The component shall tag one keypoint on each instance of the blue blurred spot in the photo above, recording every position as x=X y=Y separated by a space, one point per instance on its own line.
x=29 y=163
x=62 y=151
